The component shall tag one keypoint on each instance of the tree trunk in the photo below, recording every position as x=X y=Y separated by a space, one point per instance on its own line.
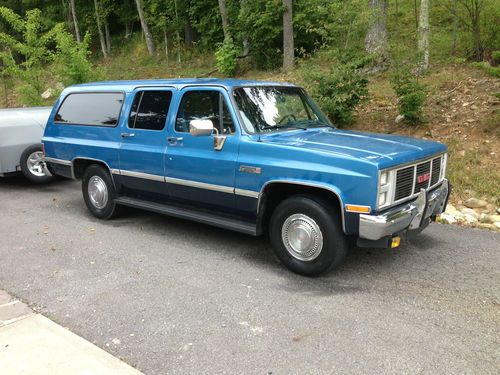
x=178 y=37
x=376 y=38
x=128 y=29
x=188 y=33
x=478 y=45
x=455 y=29
x=99 y=29
x=288 y=48
x=108 y=37
x=415 y=11
x=475 y=9
x=145 y=28
x=423 y=36
x=246 y=43
x=166 y=43
x=75 y=21
x=225 y=20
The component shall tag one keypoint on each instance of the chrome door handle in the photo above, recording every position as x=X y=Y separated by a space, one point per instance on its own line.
x=127 y=135
x=174 y=140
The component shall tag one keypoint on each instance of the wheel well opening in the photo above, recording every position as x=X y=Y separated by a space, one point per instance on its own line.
x=79 y=166
x=276 y=193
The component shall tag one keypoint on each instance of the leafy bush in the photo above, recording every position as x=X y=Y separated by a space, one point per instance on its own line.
x=495 y=58
x=226 y=58
x=411 y=95
x=339 y=90
x=71 y=59
x=29 y=53
x=493 y=71
x=32 y=52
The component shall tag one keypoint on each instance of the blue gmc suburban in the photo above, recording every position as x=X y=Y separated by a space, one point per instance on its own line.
x=254 y=157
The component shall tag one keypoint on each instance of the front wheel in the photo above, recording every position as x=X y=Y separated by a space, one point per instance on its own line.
x=306 y=234
x=99 y=192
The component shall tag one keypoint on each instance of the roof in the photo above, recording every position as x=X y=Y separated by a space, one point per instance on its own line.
x=176 y=82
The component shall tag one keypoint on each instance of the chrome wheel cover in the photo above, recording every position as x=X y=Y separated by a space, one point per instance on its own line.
x=98 y=192
x=302 y=237
x=35 y=164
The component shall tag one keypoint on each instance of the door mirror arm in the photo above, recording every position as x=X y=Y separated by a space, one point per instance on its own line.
x=219 y=141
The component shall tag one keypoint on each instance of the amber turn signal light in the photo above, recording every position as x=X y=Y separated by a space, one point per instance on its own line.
x=354 y=208
x=396 y=241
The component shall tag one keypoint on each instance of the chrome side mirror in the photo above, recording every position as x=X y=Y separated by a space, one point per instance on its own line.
x=201 y=127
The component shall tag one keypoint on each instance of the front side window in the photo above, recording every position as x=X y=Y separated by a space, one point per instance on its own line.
x=149 y=110
x=201 y=105
x=265 y=109
x=98 y=109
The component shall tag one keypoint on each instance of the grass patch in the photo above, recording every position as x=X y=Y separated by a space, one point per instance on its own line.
x=472 y=173
x=493 y=71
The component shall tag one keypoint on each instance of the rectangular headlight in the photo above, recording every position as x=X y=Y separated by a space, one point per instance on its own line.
x=384 y=178
x=385 y=188
x=382 y=198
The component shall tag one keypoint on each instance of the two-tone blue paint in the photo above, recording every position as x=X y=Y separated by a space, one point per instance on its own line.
x=180 y=168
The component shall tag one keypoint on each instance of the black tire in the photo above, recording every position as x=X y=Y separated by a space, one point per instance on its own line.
x=29 y=170
x=326 y=218
x=109 y=209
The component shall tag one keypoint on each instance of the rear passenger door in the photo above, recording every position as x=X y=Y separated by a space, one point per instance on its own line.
x=144 y=142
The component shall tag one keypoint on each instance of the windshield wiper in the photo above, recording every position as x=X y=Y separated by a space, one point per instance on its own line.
x=284 y=126
x=315 y=124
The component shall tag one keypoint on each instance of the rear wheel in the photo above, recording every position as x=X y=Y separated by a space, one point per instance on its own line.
x=306 y=234
x=32 y=165
x=99 y=192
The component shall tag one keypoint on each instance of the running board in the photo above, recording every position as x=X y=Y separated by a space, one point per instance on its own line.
x=193 y=215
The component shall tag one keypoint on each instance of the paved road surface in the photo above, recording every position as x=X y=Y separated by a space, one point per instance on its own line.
x=171 y=296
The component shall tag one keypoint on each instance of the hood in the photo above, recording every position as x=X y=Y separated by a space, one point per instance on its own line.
x=384 y=150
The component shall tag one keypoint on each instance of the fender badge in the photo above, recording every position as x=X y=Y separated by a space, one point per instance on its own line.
x=247 y=169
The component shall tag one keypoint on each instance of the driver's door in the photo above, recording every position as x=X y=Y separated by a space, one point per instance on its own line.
x=196 y=173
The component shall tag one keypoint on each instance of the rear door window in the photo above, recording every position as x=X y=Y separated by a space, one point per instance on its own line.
x=97 y=109
x=149 y=110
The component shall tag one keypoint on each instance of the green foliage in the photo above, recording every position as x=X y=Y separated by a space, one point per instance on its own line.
x=32 y=47
x=29 y=51
x=495 y=55
x=493 y=71
x=339 y=90
x=261 y=23
x=72 y=59
x=226 y=58
x=411 y=95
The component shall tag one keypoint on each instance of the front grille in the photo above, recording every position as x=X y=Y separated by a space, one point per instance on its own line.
x=411 y=179
x=436 y=170
x=423 y=170
x=404 y=183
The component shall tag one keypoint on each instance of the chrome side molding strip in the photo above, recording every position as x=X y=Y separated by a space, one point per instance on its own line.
x=58 y=161
x=247 y=193
x=200 y=185
x=146 y=176
x=171 y=180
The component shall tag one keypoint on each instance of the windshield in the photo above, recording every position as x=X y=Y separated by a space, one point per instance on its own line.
x=266 y=109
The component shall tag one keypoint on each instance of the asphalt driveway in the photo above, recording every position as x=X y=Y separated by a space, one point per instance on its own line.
x=171 y=296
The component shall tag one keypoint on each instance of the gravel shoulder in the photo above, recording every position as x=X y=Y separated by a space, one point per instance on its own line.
x=171 y=296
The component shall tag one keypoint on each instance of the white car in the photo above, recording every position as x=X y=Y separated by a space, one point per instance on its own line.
x=21 y=131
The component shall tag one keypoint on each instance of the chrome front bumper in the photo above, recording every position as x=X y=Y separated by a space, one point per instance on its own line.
x=411 y=216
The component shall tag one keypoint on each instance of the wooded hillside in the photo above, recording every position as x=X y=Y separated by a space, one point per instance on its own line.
x=366 y=62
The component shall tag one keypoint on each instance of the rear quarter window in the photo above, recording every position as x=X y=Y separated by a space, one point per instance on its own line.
x=96 y=109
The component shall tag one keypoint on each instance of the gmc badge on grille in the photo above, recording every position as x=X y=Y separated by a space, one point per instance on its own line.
x=423 y=177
